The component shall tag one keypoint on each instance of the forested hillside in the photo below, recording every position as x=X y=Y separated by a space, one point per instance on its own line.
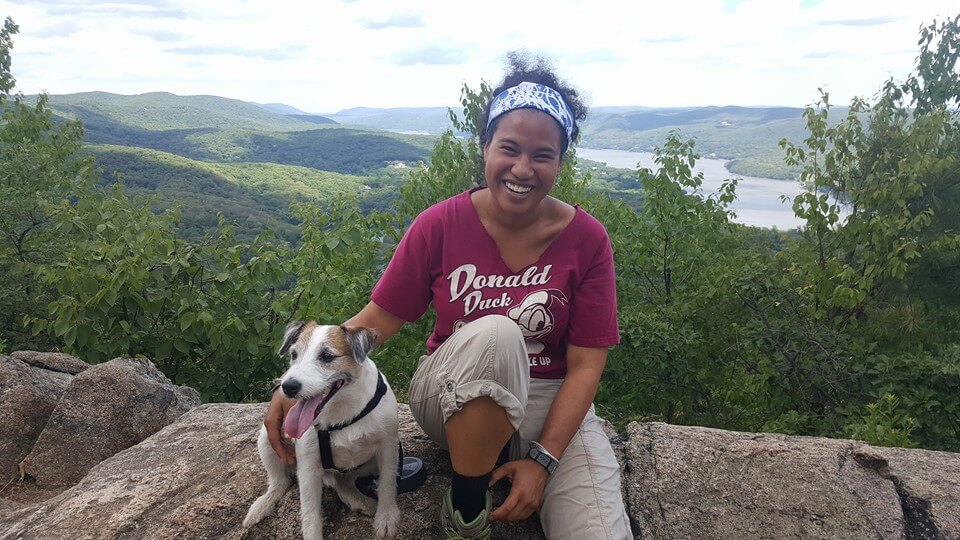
x=845 y=328
x=206 y=155
x=254 y=196
x=749 y=136
x=164 y=111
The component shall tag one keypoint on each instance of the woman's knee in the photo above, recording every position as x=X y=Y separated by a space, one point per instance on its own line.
x=496 y=343
x=505 y=328
x=497 y=329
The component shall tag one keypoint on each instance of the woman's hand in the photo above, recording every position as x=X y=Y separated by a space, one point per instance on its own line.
x=527 y=479
x=279 y=405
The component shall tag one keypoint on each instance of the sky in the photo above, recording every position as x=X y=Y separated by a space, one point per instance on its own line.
x=327 y=55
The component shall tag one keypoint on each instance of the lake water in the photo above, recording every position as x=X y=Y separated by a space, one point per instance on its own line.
x=758 y=199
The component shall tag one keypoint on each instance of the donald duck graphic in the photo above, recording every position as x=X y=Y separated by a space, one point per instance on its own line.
x=534 y=317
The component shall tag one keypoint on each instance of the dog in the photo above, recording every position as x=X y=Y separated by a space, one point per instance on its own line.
x=341 y=395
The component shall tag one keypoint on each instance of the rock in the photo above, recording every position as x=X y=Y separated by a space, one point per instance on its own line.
x=691 y=482
x=64 y=363
x=28 y=395
x=197 y=477
x=105 y=409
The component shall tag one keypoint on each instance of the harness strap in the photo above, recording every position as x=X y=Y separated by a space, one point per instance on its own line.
x=326 y=452
x=323 y=435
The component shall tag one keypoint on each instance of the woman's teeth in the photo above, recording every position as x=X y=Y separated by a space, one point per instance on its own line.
x=516 y=188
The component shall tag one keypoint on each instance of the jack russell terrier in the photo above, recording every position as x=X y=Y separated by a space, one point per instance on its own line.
x=345 y=426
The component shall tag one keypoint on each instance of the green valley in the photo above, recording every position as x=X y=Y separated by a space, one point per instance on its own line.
x=207 y=155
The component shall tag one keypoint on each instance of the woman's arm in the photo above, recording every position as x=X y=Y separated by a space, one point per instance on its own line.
x=371 y=316
x=584 y=368
x=569 y=408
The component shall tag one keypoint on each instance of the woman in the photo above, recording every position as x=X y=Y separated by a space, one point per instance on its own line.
x=524 y=291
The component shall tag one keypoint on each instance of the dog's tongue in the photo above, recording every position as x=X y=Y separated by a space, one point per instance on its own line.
x=301 y=416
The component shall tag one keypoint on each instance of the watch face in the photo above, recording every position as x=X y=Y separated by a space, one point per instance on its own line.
x=543 y=459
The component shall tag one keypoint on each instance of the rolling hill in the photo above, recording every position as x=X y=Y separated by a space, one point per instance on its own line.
x=207 y=154
x=747 y=135
x=165 y=111
x=255 y=196
x=211 y=128
x=422 y=120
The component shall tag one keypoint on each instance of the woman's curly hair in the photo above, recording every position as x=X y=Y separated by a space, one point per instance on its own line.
x=521 y=67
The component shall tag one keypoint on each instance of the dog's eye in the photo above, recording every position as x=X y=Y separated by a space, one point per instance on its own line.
x=327 y=356
x=293 y=355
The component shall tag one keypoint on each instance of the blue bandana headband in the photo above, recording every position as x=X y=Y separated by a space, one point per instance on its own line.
x=528 y=95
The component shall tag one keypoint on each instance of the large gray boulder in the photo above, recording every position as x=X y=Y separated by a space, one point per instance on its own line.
x=105 y=409
x=52 y=361
x=197 y=477
x=692 y=482
x=28 y=395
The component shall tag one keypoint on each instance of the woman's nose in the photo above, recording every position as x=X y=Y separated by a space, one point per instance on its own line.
x=521 y=167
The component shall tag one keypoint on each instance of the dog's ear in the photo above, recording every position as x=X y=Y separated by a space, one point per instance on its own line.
x=290 y=336
x=360 y=340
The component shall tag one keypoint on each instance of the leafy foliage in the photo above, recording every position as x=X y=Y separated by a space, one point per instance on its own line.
x=845 y=328
x=36 y=168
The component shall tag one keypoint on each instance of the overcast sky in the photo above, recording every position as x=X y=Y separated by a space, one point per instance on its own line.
x=326 y=55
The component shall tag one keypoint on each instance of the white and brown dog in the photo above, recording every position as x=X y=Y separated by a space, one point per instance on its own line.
x=343 y=398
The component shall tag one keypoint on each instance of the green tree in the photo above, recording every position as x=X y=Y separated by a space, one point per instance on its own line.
x=679 y=359
x=849 y=323
x=207 y=313
x=38 y=164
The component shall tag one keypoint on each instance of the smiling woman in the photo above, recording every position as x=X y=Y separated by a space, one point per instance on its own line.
x=524 y=292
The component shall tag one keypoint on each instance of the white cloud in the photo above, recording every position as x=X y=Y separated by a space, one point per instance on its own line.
x=323 y=56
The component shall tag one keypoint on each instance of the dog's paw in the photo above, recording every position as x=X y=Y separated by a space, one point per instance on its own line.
x=361 y=504
x=386 y=522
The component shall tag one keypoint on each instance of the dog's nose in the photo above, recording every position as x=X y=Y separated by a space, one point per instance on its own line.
x=291 y=387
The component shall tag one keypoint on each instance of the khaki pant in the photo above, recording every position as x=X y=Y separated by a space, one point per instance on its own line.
x=487 y=357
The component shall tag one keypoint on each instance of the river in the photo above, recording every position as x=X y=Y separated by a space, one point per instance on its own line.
x=758 y=199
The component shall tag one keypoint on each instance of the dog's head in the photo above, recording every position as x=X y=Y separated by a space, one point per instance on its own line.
x=323 y=359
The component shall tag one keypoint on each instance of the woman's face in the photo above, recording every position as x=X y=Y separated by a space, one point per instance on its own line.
x=522 y=160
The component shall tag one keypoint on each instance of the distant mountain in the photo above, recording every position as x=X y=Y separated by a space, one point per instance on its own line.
x=620 y=109
x=658 y=118
x=165 y=111
x=287 y=110
x=207 y=154
x=749 y=135
x=279 y=108
x=250 y=161
x=314 y=119
x=422 y=120
x=212 y=128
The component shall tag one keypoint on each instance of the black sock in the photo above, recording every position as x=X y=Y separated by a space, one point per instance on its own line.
x=469 y=494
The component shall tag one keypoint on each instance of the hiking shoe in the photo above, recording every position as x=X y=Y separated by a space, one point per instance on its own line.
x=454 y=526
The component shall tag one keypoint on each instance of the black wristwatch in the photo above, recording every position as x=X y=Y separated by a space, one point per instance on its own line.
x=539 y=454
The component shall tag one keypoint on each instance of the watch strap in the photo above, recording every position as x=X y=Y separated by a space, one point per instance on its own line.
x=540 y=454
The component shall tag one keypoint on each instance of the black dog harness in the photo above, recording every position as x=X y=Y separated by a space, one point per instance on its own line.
x=323 y=435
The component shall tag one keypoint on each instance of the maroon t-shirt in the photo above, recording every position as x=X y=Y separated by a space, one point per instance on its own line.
x=567 y=297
